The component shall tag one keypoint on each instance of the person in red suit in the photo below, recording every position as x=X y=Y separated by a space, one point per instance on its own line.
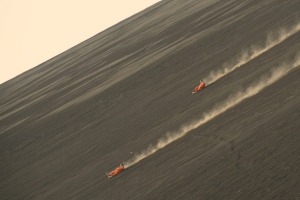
x=116 y=171
x=199 y=87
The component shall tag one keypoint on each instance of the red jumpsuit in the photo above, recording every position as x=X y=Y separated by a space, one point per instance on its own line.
x=116 y=171
x=199 y=87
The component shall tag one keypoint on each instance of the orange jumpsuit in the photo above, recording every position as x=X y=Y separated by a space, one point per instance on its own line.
x=116 y=171
x=199 y=87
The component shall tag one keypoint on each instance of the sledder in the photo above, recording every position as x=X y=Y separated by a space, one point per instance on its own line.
x=199 y=87
x=116 y=171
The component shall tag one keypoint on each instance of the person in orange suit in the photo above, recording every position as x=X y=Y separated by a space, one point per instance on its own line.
x=199 y=87
x=116 y=171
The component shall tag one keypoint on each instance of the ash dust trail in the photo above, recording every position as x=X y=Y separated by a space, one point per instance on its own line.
x=267 y=79
x=273 y=39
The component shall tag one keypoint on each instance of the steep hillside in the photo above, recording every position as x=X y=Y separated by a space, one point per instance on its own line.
x=114 y=97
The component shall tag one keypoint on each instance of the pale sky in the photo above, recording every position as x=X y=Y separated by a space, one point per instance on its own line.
x=33 y=31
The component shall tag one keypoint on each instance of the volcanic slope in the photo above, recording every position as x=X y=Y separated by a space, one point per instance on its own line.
x=69 y=120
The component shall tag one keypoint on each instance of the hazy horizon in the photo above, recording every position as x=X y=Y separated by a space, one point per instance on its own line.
x=33 y=32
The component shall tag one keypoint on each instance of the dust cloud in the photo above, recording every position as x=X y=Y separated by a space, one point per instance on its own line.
x=265 y=80
x=273 y=39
